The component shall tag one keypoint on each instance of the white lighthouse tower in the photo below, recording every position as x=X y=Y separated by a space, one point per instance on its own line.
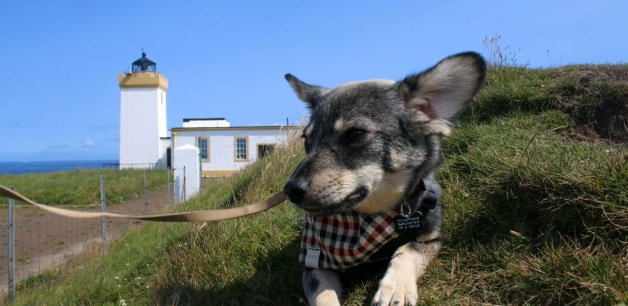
x=144 y=137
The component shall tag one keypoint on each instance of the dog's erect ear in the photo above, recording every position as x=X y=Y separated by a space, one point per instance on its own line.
x=443 y=91
x=307 y=93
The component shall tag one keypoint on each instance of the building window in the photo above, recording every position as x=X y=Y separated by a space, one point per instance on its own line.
x=202 y=143
x=264 y=150
x=241 y=149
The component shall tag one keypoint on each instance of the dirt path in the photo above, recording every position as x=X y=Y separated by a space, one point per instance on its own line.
x=44 y=241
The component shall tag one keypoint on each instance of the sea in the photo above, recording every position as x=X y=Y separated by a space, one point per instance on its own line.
x=53 y=166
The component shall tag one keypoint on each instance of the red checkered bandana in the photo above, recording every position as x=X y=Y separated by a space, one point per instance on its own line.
x=346 y=240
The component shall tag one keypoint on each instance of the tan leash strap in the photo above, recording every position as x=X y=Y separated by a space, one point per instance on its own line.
x=196 y=216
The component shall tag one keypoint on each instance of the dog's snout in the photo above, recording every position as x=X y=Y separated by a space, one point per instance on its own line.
x=295 y=189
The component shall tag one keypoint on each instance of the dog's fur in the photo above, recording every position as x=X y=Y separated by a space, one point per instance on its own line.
x=369 y=145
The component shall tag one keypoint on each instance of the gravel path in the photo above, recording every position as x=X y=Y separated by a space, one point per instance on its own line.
x=44 y=241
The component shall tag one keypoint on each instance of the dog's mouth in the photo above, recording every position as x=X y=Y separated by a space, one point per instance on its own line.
x=328 y=209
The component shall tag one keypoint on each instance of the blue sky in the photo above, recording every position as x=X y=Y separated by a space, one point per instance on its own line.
x=59 y=60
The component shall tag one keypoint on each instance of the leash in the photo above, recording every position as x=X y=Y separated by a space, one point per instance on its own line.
x=196 y=216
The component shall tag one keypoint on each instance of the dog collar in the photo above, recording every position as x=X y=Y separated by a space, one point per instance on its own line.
x=345 y=240
x=422 y=198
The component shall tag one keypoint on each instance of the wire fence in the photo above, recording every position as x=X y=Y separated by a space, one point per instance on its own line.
x=35 y=241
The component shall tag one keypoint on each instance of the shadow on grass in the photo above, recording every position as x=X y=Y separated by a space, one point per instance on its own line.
x=541 y=214
x=276 y=281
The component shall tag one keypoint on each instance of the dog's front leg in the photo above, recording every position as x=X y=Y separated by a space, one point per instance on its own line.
x=399 y=284
x=322 y=287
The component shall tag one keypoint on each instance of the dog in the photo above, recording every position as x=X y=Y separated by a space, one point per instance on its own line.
x=367 y=180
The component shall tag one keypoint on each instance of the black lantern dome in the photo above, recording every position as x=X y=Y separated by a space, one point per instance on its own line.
x=144 y=64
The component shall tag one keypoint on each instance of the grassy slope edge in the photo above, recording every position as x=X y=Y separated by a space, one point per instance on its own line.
x=535 y=207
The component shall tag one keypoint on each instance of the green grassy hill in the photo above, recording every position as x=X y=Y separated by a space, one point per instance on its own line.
x=535 y=208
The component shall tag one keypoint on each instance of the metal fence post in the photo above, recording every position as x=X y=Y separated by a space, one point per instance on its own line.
x=184 y=187
x=11 y=249
x=145 y=193
x=103 y=208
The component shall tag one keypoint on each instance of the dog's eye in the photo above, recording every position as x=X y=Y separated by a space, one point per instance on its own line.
x=354 y=134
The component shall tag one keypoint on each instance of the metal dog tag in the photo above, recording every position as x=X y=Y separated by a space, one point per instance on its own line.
x=407 y=223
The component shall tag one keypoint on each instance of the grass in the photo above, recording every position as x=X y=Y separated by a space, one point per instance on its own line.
x=535 y=210
x=542 y=219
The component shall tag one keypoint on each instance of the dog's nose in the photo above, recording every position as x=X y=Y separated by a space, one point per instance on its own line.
x=295 y=189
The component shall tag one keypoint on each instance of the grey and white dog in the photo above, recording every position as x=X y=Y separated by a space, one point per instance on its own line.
x=367 y=181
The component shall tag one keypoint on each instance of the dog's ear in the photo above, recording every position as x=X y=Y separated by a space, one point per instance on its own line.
x=309 y=94
x=443 y=91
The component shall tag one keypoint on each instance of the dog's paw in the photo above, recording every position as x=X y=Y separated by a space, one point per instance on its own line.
x=396 y=290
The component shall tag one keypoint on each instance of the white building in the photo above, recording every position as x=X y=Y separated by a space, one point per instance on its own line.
x=224 y=149
x=144 y=141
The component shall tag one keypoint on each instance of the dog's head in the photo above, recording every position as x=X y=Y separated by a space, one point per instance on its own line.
x=367 y=142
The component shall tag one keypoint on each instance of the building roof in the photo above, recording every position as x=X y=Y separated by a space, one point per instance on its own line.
x=201 y=119
x=256 y=127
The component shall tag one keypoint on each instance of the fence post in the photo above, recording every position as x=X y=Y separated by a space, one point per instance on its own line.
x=11 y=249
x=145 y=193
x=184 y=187
x=103 y=208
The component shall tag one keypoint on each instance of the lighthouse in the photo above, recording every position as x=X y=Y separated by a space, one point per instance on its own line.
x=144 y=140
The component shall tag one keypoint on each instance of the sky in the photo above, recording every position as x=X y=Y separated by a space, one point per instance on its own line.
x=59 y=60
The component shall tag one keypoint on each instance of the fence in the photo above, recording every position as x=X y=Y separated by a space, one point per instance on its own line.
x=37 y=241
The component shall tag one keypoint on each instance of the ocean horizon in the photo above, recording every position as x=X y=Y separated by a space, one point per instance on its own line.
x=25 y=167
